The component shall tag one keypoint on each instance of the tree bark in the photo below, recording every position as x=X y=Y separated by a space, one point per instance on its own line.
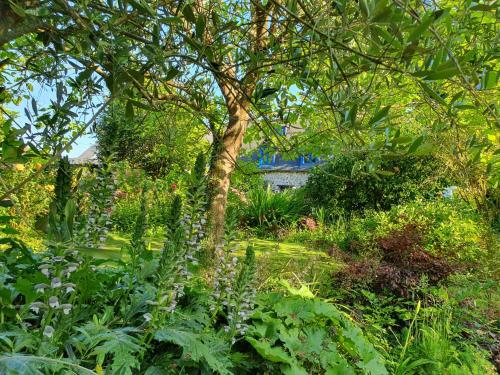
x=225 y=163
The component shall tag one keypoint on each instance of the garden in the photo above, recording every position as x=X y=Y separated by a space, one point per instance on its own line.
x=249 y=187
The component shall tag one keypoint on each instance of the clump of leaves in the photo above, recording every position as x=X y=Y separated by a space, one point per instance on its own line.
x=400 y=268
x=301 y=335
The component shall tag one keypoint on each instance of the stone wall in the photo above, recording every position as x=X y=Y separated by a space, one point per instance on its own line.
x=285 y=180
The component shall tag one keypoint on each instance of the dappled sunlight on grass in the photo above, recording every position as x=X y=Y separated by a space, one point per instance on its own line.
x=287 y=260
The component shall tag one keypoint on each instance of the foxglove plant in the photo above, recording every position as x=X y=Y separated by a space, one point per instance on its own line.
x=98 y=220
x=183 y=241
x=234 y=291
x=56 y=296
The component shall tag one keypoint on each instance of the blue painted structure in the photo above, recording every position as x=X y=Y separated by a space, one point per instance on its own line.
x=271 y=160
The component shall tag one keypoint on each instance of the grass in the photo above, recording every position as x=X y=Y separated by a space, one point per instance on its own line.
x=276 y=260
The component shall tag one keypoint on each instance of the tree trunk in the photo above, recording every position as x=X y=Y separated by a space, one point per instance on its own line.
x=225 y=163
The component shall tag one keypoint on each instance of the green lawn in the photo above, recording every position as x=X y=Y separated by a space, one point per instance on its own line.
x=291 y=261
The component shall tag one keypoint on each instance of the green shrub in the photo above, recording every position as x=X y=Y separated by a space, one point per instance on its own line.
x=349 y=183
x=126 y=211
x=267 y=210
x=449 y=228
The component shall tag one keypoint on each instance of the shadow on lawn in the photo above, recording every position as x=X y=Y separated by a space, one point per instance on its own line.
x=276 y=260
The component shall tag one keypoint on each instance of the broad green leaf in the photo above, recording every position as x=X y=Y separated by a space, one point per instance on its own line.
x=489 y=80
x=402 y=139
x=304 y=291
x=273 y=354
x=293 y=370
x=424 y=149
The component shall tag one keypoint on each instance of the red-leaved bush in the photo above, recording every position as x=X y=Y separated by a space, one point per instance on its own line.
x=398 y=267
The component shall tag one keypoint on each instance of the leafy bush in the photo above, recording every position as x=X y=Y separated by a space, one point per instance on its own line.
x=126 y=210
x=28 y=207
x=451 y=230
x=268 y=211
x=400 y=268
x=348 y=183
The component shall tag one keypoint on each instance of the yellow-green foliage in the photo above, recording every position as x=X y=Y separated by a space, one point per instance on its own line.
x=449 y=228
x=30 y=203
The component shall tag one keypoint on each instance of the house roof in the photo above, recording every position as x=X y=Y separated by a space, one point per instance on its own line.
x=89 y=156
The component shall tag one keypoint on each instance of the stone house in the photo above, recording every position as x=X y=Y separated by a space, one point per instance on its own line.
x=279 y=172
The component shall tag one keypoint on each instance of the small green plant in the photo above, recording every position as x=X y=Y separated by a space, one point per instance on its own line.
x=429 y=347
x=268 y=211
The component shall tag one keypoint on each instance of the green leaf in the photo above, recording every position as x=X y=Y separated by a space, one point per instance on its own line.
x=143 y=7
x=277 y=355
x=424 y=149
x=34 y=106
x=200 y=26
x=187 y=11
x=171 y=74
x=379 y=116
x=385 y=173
x=365 y=8
x=171 y=20
x=352 y=114
x=483 y=7
x=416 y=144
x=489 y=80
x=129 y=110
x=402 y=139
x=424 y=24
x=9 y=153
x=442 y=74
x=17 y=9
x=293 y=370
x=434 y=95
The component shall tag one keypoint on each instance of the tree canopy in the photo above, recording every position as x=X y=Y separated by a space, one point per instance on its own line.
x=390 y=76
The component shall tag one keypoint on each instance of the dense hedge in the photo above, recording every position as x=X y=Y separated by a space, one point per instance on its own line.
x=344 y=184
